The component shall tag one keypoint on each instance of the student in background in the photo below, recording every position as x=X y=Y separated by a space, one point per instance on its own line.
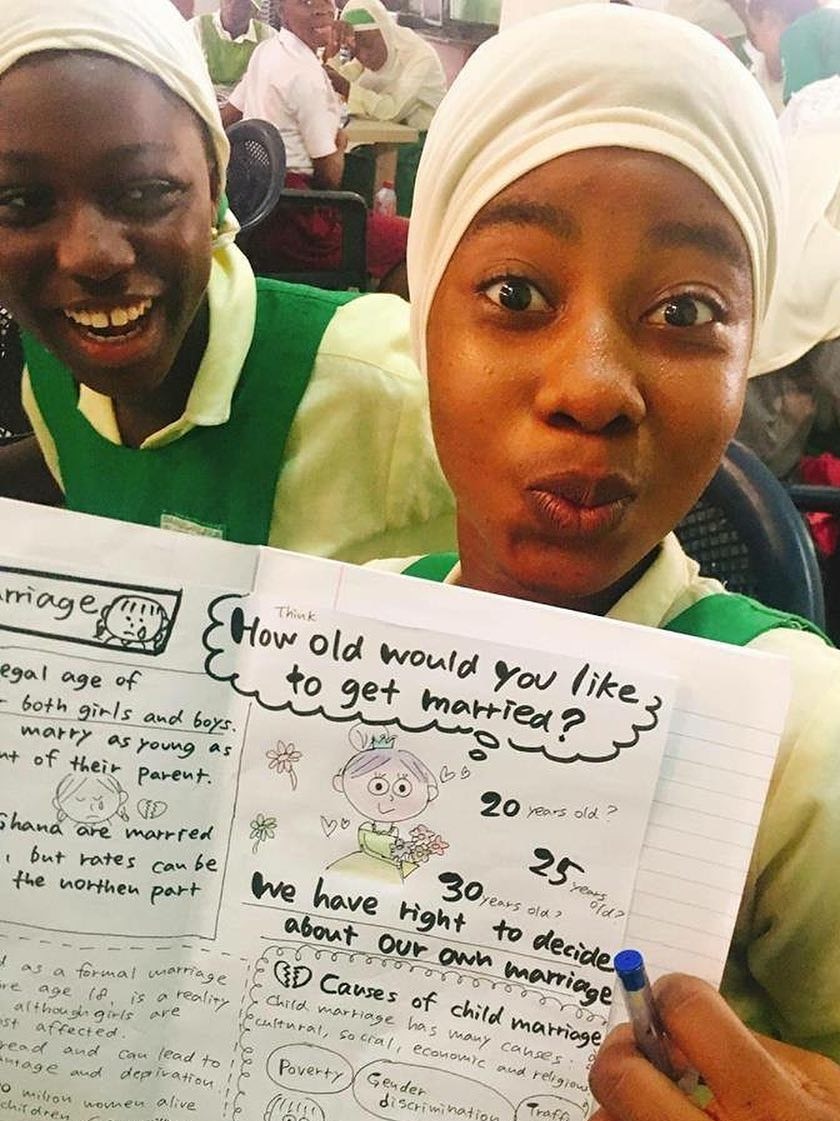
x=286 y=85
x=593 y=246
x=800 y=41
x=227 y=39
x=165 y=384
x=394 y=75
x=792 y=404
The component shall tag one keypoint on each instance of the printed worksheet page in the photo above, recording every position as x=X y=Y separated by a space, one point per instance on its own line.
x=282 y=839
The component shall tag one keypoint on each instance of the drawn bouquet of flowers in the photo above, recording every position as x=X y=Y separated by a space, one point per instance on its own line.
x=419 y=845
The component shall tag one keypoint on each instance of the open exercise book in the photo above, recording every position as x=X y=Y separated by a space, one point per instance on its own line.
x=287 y=839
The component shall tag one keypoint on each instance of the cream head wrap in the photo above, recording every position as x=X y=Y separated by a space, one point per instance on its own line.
x=805 y=309
x=588 y=77
x=150 y=34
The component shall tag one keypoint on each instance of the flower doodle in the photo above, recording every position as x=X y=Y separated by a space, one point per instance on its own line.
x=282 y=759
x=262 y=829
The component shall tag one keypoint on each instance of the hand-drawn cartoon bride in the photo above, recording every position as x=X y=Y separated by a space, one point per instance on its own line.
x=386 y=784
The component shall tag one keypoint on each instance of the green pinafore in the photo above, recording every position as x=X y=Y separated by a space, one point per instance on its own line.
x=724 y=616
x=218 y=480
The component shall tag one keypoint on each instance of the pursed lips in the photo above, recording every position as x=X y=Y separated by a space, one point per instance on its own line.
x=586 y=491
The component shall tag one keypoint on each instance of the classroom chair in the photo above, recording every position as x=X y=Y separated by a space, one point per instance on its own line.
x=746 y=532
x=256 y=171
x=259 y=200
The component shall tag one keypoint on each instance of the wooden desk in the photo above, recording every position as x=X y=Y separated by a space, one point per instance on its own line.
x=383 y=137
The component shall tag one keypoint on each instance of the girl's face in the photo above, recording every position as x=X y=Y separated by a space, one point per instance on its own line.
x=370 y=49
x=387 y=793
x=106 y=207
x=92 y=802
x=587 y=353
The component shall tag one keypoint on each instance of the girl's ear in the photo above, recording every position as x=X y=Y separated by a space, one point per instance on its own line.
x=215 y=191
x=338 y=783
x=433 y=791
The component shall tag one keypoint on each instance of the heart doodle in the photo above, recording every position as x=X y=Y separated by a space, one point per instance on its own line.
x=292 y=976
x=465 y=772
x=345 y=823
x=149 y=809
x=445 y=774
x=328 y=824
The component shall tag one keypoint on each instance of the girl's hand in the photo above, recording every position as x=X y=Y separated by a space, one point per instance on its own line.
x=338 y=82
x=752 y=1077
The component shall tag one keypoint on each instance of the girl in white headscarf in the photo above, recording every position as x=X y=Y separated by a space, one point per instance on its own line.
x=794 y=405
x=592 y=250
x=394 y=75
x=166 y=385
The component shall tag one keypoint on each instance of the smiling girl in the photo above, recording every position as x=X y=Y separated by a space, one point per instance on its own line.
x=165 y=384
x=593 y=245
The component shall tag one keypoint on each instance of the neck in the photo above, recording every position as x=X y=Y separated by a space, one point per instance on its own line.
x=310 y=46
x=138 y=418
x=774 y=66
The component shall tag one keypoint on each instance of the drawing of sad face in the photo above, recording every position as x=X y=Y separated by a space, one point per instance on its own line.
x=387 y=786
x=133 y=621
x=89 y=799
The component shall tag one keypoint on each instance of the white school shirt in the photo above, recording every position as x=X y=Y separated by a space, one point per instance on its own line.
x=286 y=84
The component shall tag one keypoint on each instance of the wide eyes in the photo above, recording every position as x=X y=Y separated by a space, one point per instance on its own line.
x=379 y=786
x=515 y=293
x=685 y=310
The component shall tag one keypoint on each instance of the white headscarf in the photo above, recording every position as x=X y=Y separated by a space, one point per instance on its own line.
x=403 y=45
x=588 y=77
x=805 y=309
x=150 y=34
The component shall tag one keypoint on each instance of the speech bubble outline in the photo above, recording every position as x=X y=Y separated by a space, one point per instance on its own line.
x=225 y=643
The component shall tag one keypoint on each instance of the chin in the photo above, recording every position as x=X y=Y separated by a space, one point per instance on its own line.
x=566 y=581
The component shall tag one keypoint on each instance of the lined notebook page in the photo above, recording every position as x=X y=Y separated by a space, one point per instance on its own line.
x=700 y=835
x=731 y=705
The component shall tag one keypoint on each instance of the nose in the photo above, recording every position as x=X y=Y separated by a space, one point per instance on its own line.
x=592 y=379
x=92 y=247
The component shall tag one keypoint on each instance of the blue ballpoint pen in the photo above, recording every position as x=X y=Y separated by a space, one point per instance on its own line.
x=648 y=1029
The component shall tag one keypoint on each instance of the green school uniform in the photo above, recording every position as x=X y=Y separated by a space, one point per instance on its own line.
x=724 y=617
x=810 y=49
x=221 y=479
x=227 y=59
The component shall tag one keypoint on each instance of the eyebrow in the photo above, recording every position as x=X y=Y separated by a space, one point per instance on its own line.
x=522 y=212
x=120 y=152
x=706 y=236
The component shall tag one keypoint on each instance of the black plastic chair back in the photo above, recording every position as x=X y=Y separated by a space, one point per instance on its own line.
x=13 y=420
x=256 y=170
x=746 y=532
